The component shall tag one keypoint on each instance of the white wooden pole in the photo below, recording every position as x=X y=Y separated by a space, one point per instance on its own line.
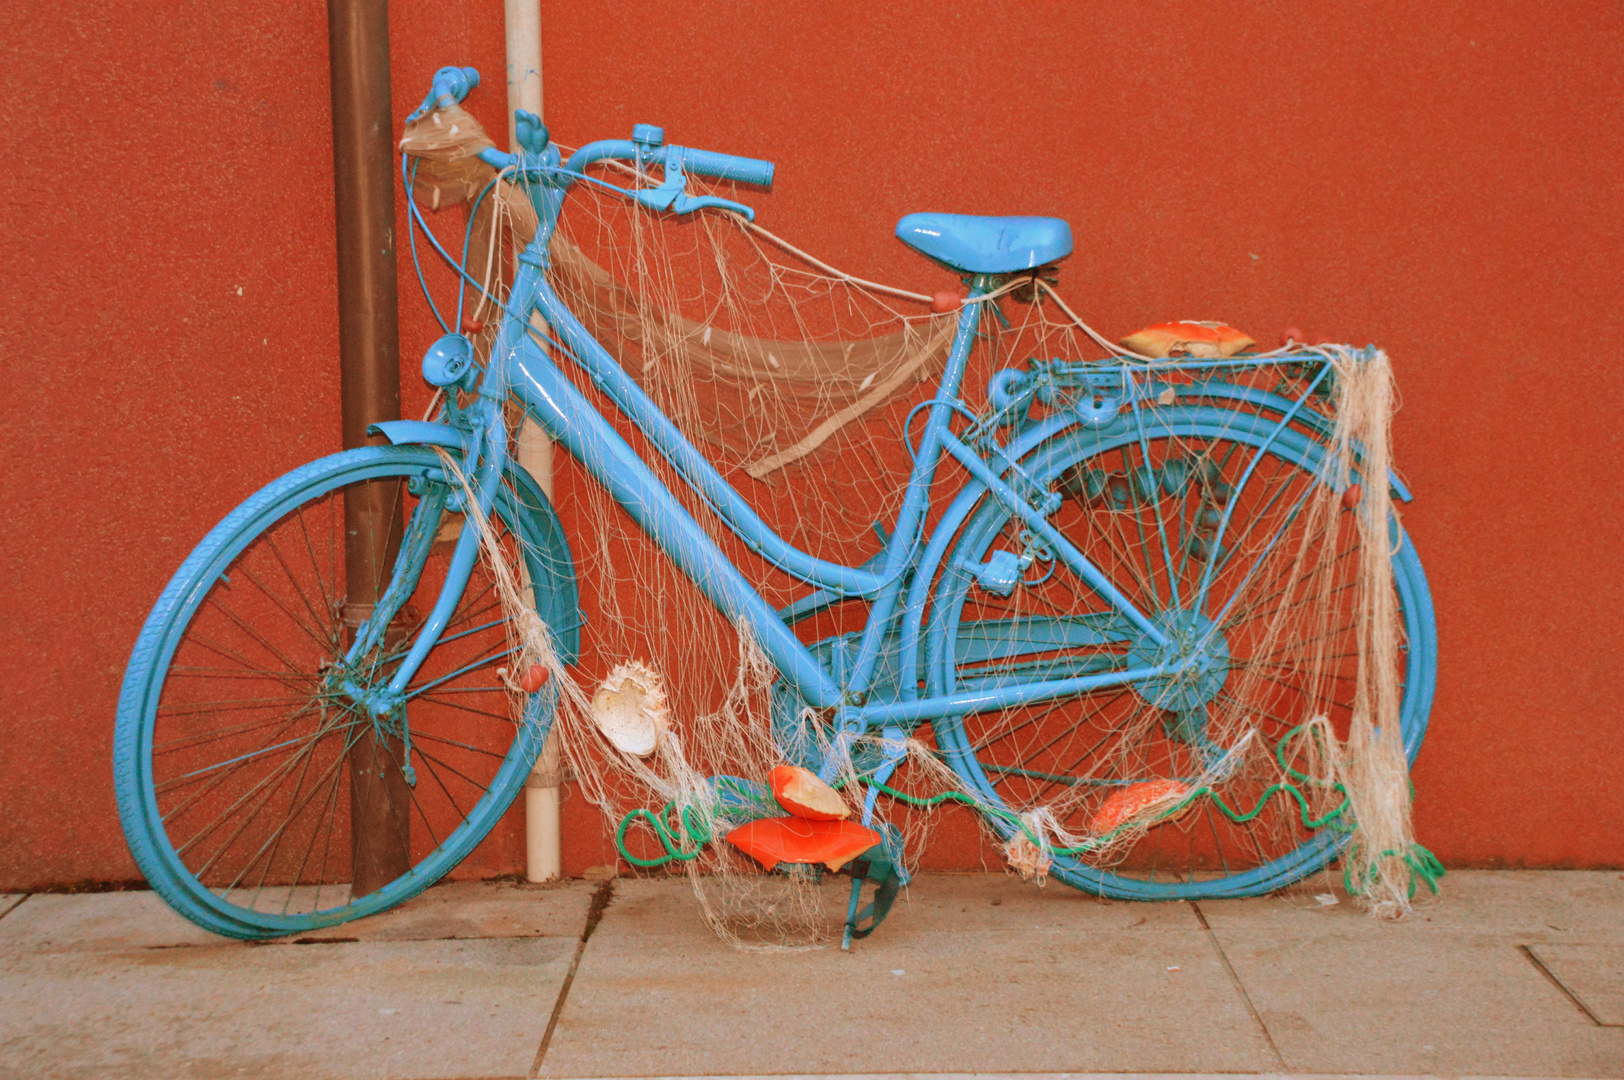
x=543 y=861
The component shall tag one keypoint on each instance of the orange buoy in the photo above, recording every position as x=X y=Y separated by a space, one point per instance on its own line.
x=771 y=841
x=1351 y=496
x=472 y=326
x=804 y=795
x=943 y=302
x=1124 y=804
x=1292 y=335
x=534 y=678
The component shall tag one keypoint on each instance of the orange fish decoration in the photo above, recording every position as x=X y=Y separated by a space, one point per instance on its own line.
x=1129 y=802
x=801 y=793
x=1199 y=340
x=773 y=840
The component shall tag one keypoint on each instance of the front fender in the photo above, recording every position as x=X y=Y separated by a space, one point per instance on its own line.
x=423 y=433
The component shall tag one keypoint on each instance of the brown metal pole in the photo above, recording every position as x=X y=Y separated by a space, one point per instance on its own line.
x=369 y=359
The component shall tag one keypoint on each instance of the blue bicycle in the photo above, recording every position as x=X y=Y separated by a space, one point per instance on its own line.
x=1119 y=560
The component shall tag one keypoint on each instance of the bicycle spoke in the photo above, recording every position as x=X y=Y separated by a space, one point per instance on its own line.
x=412 y=692
x=504 y=717
x=324 y=643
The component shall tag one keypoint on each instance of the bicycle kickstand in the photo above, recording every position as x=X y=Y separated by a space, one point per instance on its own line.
x=882 y=864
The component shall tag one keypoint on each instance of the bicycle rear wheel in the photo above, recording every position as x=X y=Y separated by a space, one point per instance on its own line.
x=237 y=755
x=1143 y=507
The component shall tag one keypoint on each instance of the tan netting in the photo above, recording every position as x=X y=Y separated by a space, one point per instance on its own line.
x=797 y=382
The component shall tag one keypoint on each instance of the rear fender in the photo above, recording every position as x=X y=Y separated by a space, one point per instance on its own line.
x=1038 y=433
x=1019 y=447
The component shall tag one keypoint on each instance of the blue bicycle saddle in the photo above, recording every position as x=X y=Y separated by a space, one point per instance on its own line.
x=987 y=245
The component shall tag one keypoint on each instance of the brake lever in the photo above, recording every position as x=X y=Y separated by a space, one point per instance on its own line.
x=672 y=192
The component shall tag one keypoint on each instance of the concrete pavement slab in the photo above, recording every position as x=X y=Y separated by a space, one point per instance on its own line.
x=1062 y=1076
x=1530 y=905
x=1342 y=992
x=972 y=973
x=9 y=901
x=1593 y=974
x=118 y=983
x=1003 y=903
x=475 y=909
x=97 y=922
x=103 y=922
x=368 y=1009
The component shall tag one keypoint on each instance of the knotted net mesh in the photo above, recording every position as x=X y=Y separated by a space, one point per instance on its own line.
x=1245 y=485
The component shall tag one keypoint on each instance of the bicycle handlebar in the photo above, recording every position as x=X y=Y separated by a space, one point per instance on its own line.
x=452 y=84
x=703 y=162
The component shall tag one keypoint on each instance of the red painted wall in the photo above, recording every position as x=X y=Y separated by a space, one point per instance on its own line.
x=1442 y=179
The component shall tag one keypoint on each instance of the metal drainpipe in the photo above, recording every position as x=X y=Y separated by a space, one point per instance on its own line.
x=369 y=362
x=543 y=857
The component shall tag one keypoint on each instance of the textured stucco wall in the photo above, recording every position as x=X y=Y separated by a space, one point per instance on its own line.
x=1441 y=179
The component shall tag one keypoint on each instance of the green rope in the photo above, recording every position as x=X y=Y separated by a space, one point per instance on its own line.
x=1015 y=822
x=1422 y=863
x=693 y=824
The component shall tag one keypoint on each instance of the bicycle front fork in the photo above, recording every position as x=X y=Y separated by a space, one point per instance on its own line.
x=466 y=487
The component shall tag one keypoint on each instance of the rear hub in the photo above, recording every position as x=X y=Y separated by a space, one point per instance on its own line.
x=1196 y=657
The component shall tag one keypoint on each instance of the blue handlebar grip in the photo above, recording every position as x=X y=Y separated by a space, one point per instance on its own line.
x=728 y=167
x=454 y=83
x=450 y=86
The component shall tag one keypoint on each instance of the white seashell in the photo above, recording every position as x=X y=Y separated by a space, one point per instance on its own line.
x=630 y=709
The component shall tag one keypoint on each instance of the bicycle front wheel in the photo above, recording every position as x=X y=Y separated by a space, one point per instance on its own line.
x=248 y=780
x=1274 y=633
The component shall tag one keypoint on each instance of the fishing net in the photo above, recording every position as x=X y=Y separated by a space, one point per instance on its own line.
x=798 y=382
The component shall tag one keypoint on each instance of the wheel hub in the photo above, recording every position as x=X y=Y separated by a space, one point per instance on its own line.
x=1197 y=657
x=377 y=701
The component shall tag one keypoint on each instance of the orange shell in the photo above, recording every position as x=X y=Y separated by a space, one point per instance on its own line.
x=1203 y=340
x=773 y=840
x=1127 y=803
x=804 y=795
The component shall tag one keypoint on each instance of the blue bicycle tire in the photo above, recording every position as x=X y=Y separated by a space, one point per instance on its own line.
x=221 y=562
x=1093 y=448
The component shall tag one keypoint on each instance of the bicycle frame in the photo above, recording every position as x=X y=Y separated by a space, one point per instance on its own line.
x=520 y=367
x=227 y=789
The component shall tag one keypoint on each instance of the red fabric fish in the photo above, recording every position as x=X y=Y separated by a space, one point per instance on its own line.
x=1127 y=803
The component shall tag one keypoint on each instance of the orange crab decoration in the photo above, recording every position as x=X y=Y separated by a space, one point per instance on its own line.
x=1199 y=340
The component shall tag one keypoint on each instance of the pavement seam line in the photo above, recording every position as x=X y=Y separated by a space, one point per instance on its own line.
x=594 y=915
x=1240 y=988
x=14 y=906
x=1550 y=976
